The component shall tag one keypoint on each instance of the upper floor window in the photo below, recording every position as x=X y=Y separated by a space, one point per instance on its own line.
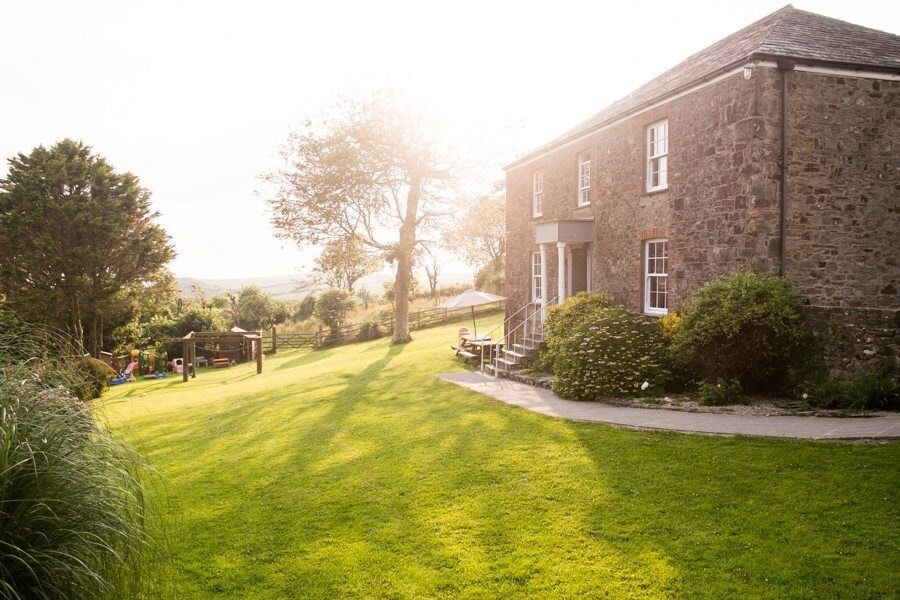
x=656 y=277
x=657 y=156
x=584 y=179
x=536 y=283
x=537 y=199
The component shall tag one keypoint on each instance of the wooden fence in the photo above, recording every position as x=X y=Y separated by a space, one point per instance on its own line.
x=418 y=319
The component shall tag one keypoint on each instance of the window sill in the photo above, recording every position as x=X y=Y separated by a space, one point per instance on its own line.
x=656 y=313
x=656 y=191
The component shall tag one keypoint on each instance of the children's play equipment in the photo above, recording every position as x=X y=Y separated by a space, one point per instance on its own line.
x=220 y=349
x=125 y=376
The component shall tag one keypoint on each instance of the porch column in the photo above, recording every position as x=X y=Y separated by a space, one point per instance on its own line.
x=561 y=271
x=543 y=249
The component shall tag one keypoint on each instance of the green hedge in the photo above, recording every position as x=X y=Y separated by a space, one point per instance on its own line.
x=746 y=327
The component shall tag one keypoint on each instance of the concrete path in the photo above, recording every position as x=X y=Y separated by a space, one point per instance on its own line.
x=883 y=426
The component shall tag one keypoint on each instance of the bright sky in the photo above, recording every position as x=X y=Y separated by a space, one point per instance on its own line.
x=196 y=97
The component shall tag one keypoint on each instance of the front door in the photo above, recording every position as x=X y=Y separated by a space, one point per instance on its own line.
x=579 y=270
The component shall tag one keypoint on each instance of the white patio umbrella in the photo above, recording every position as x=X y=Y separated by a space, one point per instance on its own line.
x=471 y=298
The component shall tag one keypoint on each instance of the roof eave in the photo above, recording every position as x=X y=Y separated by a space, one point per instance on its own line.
x=694 y=82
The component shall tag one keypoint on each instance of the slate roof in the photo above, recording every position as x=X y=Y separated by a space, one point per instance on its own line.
x=788 y=33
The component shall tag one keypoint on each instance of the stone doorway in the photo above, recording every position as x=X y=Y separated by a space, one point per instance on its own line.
x=579 y=269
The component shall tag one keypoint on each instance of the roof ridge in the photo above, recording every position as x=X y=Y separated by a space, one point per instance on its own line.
x=781 y=12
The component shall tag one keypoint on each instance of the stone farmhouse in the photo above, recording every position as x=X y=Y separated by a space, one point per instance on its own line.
x=776 y=149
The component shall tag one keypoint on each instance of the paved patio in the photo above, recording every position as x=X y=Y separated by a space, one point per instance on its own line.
x=882 y=426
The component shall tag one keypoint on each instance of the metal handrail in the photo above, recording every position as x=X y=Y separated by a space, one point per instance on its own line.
x=508 y=333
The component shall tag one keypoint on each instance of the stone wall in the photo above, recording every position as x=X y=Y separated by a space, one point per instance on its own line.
x=843 y=224
x=719 y=213
x=856 y=340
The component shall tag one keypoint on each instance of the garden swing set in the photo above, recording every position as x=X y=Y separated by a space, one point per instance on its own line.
x=229 y=346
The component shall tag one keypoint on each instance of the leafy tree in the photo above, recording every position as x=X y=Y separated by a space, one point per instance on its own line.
x=415 y=288
x=373 y=173
x=364 y=296
x=331 y=309
x=74 y=233
x=344 y=261
x=139 y=305
x=305 y=308
x=192 y=318
x=258 y=310
x=480 y=239
x=227 y=304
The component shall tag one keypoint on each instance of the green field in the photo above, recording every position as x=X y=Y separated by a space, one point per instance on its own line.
x=354 y=472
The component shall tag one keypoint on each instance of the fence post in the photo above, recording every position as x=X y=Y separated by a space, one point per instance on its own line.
x=274 y=341
x=185 y=358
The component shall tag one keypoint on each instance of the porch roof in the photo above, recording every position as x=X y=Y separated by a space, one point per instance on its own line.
x=574 y=231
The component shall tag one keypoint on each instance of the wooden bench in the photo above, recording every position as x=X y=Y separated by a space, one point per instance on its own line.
x=221 y=362
x=465 y=354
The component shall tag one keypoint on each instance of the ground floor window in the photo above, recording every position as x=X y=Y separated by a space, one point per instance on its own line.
x=656 y=277
x=536 y=276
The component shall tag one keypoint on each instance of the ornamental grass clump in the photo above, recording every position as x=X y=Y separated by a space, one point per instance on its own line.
x=746 y=327
x=72 y=505
x=615 y=354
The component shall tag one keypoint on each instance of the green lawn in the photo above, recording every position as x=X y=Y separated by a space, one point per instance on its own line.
x=354 y=472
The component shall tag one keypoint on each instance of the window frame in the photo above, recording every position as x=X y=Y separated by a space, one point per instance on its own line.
x=584 y=191
x=648 y=309
x=655 y=155
x=537 y=195
x=536 y=282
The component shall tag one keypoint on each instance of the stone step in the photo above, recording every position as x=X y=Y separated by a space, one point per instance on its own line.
x=516 y=354
x=526 y=349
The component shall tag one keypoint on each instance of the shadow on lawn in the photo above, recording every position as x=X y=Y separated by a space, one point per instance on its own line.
x=385 y=479
x=744 y=517
x=305 y=359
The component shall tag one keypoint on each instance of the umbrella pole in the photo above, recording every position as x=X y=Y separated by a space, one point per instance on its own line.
x=474 y=326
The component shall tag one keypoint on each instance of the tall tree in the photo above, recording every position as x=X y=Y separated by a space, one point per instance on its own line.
x=344 y=261
x=372 y=172
x=258 y=310
x=73 y=234
x=479 y=238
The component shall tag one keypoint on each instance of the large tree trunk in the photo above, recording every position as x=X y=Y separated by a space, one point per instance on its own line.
x=404 y=265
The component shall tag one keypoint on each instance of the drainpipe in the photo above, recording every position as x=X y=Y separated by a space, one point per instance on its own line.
x=785 y=67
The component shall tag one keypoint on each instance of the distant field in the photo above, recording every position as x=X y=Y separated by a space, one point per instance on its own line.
x=353 y=472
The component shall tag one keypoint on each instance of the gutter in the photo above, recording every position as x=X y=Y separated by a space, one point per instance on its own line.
x=785 y=67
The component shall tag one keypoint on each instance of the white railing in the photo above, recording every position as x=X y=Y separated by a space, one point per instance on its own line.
x=511 y=336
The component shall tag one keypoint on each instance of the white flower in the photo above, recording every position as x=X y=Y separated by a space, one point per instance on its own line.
x=645 y=385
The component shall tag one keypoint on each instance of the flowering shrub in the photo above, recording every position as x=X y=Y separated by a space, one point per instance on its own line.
x=564 y=320
x=669 y=324
x=614 y=353
x=748 y=327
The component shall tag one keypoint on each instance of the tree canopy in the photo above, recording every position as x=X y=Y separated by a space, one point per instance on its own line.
x=74 y=233
x=344 y=261
x=479 y=238
x=258 y=310
x=370 y=171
